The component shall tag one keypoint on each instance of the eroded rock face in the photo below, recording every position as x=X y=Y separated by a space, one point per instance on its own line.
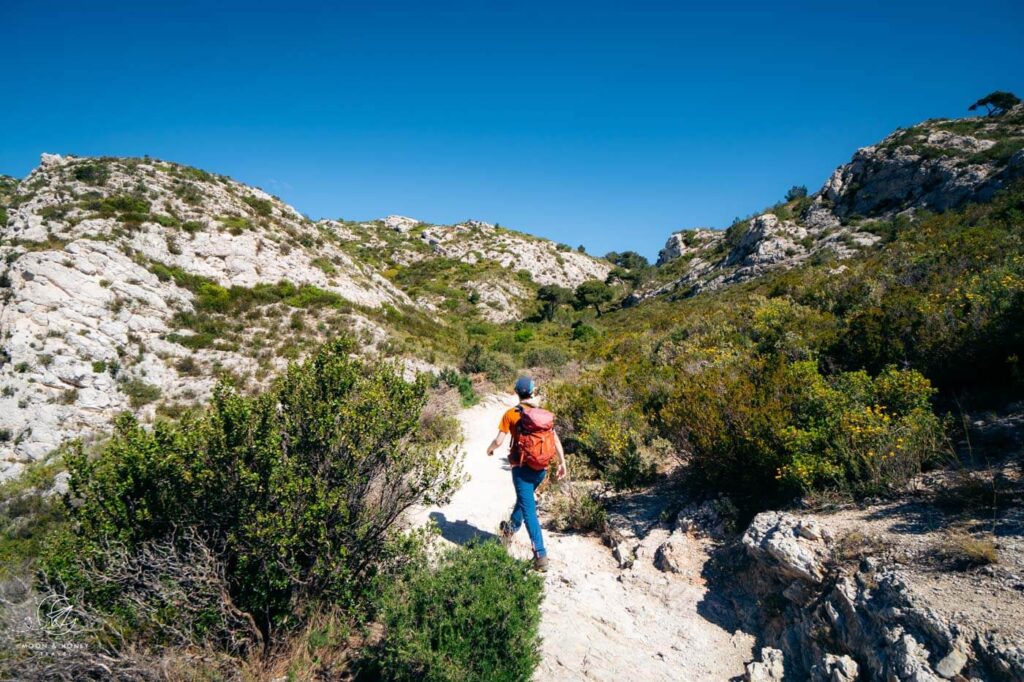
x=474 y=241
x=866 y=623
x=881 y=180
x=400 y=223
x=796 y=548
x=836 y=669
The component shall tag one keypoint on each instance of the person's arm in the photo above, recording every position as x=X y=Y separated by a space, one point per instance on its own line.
x=563 y=467
x=498 y=441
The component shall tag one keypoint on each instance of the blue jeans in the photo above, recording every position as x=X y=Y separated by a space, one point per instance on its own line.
x=526 y=481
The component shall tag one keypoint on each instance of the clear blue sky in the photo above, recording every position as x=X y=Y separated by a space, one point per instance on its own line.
x=606 y=123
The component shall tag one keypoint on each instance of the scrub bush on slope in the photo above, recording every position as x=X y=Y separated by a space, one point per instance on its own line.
x=296 y=492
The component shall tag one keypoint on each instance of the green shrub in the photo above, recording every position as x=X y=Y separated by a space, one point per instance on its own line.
x=91 y=173
x=455 y=379
x=583 y=332
x=612 y=437
x=26 y=517
x=545 y=356
x=325 y=265
x=576 y=510
x=498 y=367
x=166 y=220
x=297 y=490
x=139 y=392
x=125 y=207
x=236 y=225
x=767 y=429
x=523 y=335
x=263 y=207
x=475 y=617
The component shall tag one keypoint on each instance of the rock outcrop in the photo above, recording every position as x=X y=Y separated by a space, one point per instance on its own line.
x=797 y=549
x=838 y=622
x=936 y=165
x=688 y=242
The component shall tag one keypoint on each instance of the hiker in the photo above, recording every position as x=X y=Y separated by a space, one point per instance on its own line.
x=534 y=444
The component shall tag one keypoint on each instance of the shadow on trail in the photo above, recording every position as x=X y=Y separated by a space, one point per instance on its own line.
x=460 y=532
x=728 y=602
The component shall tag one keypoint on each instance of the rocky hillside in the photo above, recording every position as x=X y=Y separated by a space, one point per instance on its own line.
x=135 y=283
x=936 y=165
x=474 y=256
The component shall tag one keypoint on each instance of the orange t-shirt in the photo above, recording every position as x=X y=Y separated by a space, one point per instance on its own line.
x=509 y=424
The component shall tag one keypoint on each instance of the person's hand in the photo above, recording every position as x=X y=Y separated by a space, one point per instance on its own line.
x=562 y=471
x=490 y=452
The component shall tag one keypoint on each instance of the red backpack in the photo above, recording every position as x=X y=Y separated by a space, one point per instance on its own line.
x=535 y=438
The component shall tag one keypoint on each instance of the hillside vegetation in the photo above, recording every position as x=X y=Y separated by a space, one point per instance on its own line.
x=216 y=414
x=825 y=377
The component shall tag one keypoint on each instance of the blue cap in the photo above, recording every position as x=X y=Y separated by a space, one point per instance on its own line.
x=524 y=387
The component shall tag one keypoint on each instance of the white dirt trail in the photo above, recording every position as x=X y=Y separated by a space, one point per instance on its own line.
x=599 y=622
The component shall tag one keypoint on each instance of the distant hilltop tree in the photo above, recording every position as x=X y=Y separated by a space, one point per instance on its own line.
x=997 y=103
x=796 y=192
x=630 y=260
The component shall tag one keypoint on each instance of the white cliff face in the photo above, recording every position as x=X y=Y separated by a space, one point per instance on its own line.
x=87 y=327
x=213 y=226
x=474 y=241
x=764 y=243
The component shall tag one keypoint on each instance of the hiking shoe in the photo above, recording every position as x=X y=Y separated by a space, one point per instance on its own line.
x=540 y=564
x=505 y=528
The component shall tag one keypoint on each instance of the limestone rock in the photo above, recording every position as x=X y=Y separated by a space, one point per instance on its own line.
x=400 y=223
x=770 y=668
x=798 y=550
x=936 y=165
x=767 y=241
x=927 y=166
x=836 y=669
x=952 y=663
x=669 y=555
x=688 y=242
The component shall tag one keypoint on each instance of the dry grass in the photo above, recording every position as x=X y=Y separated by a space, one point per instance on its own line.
x=326 y=649
x=855 y=546
x=969 y=550
x=573 y=508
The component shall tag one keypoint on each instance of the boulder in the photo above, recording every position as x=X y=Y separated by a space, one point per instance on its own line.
x=669 y=555
x=688 y=242
x=771 y=667
x=835 y=669
x=400 y=223
x=792 y=547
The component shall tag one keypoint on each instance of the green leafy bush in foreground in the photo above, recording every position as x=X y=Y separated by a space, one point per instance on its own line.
x=473 y=617
x=296 y=491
